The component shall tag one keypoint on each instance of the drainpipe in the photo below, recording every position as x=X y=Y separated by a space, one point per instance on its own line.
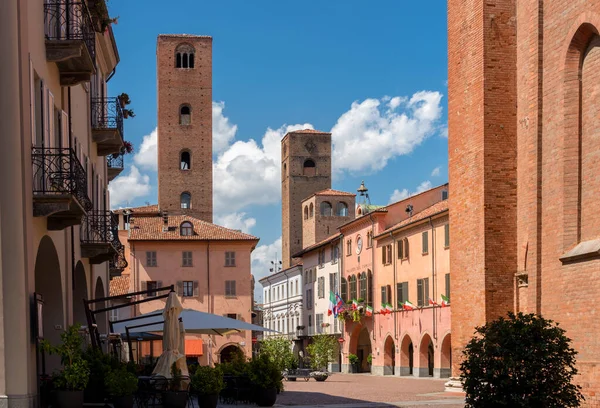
x=72 y=227
x=287 y=295
x=433 y=275
x=395 y=287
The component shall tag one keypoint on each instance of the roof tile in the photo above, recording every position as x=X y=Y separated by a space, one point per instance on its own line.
x=436 y=208
x=119 y=285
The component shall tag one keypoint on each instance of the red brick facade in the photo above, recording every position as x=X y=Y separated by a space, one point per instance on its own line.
x=187 y=131
x=524 y=154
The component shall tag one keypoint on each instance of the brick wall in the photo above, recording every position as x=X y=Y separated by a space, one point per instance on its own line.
x=193 y=87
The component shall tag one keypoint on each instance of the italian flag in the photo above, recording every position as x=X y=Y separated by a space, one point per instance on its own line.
x=354 y=304
x=433 y=302
x=408 y=306
x=445 y=301
x=388 y=308
x=383 y=309
x=369 y=311
x=332 y=306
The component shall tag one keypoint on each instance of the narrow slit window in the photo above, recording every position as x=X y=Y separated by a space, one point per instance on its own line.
x=185 y=162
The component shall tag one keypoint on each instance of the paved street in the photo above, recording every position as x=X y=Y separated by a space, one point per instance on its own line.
x=366 y=391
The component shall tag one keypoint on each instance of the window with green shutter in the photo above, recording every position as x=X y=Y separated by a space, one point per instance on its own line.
x=422 y=292
x=447 y=285
x=402 y=293
x=425 y=244
x=344 y=290
x=447 y=236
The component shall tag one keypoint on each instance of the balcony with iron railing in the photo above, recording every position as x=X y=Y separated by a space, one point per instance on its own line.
x=98 y=237
x=118 y=263
x=59 y=187
x=107 y=125
x=115 y=163
x=70 y=40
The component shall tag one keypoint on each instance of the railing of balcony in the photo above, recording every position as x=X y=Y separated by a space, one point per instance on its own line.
x=107 y=114
x=119 y=261
x=69 y=21
x=115 y=161
x=96 y=227
x=57 y=171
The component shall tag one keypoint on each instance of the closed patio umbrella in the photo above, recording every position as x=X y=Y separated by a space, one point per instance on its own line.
x=171 y=339
x=181 y=338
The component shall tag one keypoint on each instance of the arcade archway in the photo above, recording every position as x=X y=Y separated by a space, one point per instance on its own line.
x=101 y=318
x=446 y=357
x=389 y=357
x=80 y=292
x=406 y=356
x=426 y=357
x=228 y=353
x=363 y=350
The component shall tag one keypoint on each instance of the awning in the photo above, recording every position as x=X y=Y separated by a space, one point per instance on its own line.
x=193 y=347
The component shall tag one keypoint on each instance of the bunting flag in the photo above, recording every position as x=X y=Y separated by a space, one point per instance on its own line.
x=354 y=304
x=340 y=302
x=332 y=306
x=433 y=302
x=408 y=306
x=445 y=301
x=388 y=308
x=383 y=309
x=369 y=311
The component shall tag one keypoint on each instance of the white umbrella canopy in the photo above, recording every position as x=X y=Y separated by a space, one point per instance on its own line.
x=181 y=338
x=171 y=339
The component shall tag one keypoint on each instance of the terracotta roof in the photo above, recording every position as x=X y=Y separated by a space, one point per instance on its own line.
x=185 y=35
x=437 y=208
x=119 y=285
x=376 y=211
x=307 y=131
x=146 y=209
x=153 y=229
x=331 y=192
x=318 y=244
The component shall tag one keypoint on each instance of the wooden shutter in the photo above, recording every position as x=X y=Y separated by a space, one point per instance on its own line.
x=144 y=287
x=419 y=292
x=180 y=288
x=388 y=294
x=383 y=255
x=425 y=291
x=425 y=242
x=50 y=120
x=406 y=248
x=158 y=285
x=405 y=291
x=32 y=101
x=344 y=290
x=400 y=249
x=196 y=289
x=148 y=258
x=447 y=285
x=446 y=235
x=233 y=292
x=383 y=295
x=399 y=298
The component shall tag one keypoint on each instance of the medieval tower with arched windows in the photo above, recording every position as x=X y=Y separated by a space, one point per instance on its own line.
x=305 y=170
x=184 y=71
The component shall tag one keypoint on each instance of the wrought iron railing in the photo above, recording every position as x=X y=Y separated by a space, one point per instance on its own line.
x=69 y=21
x=119 y=261
x=115 y=161
x=96 y=227
x=57 y=171
x=107 y=114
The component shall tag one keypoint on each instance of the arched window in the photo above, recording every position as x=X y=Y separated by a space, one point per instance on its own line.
x=186 y=200
x=186 y=228
x=342 y=209
x=369 y=299
x=359 y=212
x=363 y=286
x=309 y=168
x=184 y=56
x=185 y=115
x=344 y=290
x=352 y=282
x=185 y=161
x=311 y=210
x=306 y=212
x=326 y=209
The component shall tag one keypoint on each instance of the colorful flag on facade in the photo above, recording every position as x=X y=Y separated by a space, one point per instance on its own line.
x=388 y=308
x=369 y=311
x=432 y=302
x=340 y=302
x=408 y=306
x=354 y=304
x=332 y=305
x=445 y=301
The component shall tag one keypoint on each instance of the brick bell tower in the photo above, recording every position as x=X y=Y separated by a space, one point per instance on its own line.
x=184 y=65
x=305 y=170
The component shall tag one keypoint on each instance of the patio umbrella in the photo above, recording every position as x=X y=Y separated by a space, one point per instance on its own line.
x=171 y=339
x=181 y=338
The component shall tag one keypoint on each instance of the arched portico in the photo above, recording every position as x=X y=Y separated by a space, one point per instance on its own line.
x=426 y=355
x=228 y=352
x=101 y=318
x=406 y=356
x=80 y=292
x=389 y=357
x=445 y=364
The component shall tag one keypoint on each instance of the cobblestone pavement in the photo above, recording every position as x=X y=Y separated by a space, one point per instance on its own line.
x=367 y=391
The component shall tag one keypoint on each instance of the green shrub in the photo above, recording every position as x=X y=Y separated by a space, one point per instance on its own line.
x=521 y=361
x=238 y=366
x=352 y=358
x=120 y=383
x=264 y=373
x=279 y=351
x=75 y=373
x=207 y=380
x=321 y=351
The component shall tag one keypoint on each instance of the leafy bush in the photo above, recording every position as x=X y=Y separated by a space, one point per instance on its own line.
x=120 y=383
x=207 y=380
x=370 y=359
x=75 y=373
x=264 y=373
x=238 y=366
x=521 y=361
x=352 y=358
x=279 y=351
x=321 y=351
x=100 y=366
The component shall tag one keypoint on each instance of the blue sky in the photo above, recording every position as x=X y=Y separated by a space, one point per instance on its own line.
x=373 y=73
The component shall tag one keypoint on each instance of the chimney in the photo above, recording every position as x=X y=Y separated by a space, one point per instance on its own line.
x=165 y=217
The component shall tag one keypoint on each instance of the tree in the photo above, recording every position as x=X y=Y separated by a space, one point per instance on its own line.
x=520 y=361
x=279 y=352
x=321 y=351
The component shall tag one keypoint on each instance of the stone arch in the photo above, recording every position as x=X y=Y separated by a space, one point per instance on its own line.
x=389 y=356
x=80 y=293
x=406 y=356
x=185 y=200
x=228 y=351
x=584 y=44
x=426 y=356
x=446 y=357
x=311 y=210
x=306 y=212
x=184 y=56
x=185 y=160
x=309 y=167
x=363 y=350
x=342 y=209
x=326 y=209
x=48 y=283
x=185 y=114
x=101 y=318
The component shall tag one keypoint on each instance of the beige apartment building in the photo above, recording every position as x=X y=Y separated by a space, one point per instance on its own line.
x=60 y=130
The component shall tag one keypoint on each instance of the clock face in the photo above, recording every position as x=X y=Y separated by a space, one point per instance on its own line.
x=358 y=245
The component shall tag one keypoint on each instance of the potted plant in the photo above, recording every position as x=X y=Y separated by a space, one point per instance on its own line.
x=128 y=113
x=266 y=378
x=353 y=360
x=121 y=385
x=321 y=352
x=124 y=100
x=73 y=378
x=208 y=382
x=176 y=395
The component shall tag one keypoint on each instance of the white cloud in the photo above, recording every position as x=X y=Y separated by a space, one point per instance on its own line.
x=399 y=195
x=261 y=263
x=237 y=221
x=367 y=136
x=436 y=172
x=444 y=131
x=146 y=156
x=124 y=189
x=223 y=131
x=248 y=173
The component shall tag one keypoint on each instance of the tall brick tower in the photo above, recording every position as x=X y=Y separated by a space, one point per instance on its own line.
x=184 y=65
x=305 y=170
